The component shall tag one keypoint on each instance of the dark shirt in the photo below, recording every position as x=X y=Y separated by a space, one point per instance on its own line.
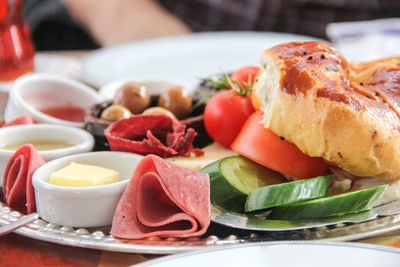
x=308 y=17
x=53 y=28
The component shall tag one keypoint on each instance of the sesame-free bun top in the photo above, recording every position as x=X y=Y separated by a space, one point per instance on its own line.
x=349 y=114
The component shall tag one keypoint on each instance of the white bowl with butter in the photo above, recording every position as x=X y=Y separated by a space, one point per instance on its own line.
x=52 y=141
x=88 y=206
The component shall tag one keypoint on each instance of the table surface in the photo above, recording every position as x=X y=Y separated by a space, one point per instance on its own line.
x=17 y=250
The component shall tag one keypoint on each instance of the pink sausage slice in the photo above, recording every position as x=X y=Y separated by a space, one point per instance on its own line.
x=152 y=134
x=163 y=200
x=17 y=182
x=26 y=119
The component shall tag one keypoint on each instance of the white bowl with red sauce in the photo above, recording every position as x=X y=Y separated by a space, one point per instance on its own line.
x=50 y=98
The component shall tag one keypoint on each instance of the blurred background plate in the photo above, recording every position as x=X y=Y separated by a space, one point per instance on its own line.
x=183 y=59
x=62 y=65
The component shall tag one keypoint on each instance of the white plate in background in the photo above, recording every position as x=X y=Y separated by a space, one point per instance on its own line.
x=287 y=254
x=183 y=59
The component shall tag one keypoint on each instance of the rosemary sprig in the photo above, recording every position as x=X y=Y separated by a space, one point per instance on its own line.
x=221 y=83
x=204 y=97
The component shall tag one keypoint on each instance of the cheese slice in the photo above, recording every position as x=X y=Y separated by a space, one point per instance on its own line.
x=82 y=175
x=212 y=152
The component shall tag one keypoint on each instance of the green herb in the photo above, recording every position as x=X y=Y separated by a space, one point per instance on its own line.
x=220 y=84
x=204 y=97
x=238 y=88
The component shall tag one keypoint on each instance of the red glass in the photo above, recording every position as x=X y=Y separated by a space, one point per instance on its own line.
x=16 y=49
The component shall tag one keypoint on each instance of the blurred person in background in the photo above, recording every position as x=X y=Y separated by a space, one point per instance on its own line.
x=89 y=24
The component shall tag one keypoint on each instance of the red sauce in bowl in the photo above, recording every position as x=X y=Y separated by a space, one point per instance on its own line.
x=68 y=113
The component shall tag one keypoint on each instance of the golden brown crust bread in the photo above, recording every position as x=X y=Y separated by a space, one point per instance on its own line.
x=345 y=113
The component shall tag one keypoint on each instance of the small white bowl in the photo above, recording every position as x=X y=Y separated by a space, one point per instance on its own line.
x=82 y=206
x=33 y=92
x=154 y=87
x=82 y=140
x=3 y=102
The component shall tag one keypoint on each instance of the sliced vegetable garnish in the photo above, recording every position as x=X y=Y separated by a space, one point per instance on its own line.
x=280 y=194
x=233 y=178
x=352 y=202
x=268 y=149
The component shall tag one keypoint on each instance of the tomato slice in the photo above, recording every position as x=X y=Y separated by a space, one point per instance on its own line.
x=267 y=148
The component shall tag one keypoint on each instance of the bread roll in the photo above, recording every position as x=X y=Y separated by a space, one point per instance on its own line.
x=349 y=114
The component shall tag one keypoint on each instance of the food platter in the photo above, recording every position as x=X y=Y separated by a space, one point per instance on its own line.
x=217 y=236
x=226 y=229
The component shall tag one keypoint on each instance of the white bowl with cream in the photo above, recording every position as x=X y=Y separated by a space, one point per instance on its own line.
x=82 y=206
x=33 y=93
x=66 y=140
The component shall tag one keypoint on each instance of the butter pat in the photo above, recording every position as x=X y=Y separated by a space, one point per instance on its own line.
x=82 y=175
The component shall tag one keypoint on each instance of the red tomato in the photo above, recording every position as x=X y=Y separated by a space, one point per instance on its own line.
x=225 y=114
x=242 y=75
x=266 y=148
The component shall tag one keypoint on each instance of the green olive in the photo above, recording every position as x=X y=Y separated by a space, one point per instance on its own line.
x=115 y=112
x=133 y=96
x=177 y=100
x=159 y=111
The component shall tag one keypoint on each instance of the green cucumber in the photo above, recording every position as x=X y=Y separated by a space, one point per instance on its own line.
x=285 y=193
x=335 y=205
x=233 y=178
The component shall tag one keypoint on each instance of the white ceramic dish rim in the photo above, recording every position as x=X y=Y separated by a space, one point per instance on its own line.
x=45 y=77
x=40 y=184
x=171 y=258
x=86 y=144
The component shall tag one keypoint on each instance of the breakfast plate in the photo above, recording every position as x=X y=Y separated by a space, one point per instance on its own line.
x=217 y=236
x=179 y=58
x=202 y=55
x=311 y=254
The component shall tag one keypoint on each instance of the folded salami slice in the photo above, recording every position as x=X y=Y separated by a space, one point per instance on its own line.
x=152 y=134
x=163 y=200
x=26 y=119
x=17 y=180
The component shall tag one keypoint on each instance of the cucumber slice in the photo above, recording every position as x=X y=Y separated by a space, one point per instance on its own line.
x=335 y=205
x=233 y=178
x=280 y=194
